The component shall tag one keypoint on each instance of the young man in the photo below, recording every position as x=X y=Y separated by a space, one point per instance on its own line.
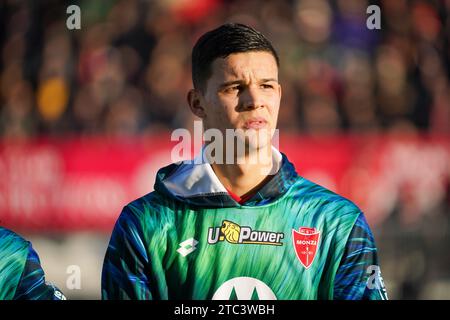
x=240 y=229
x=21 y=274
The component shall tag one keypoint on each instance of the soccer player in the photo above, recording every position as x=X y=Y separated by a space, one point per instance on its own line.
x=239 y=229
x=21 y=274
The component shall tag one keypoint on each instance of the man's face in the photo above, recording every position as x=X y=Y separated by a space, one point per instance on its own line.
x=243 y=93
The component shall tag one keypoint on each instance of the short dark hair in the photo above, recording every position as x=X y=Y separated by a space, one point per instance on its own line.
x=220 y=43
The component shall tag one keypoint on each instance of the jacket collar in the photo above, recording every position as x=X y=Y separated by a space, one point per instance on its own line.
x=194 y=182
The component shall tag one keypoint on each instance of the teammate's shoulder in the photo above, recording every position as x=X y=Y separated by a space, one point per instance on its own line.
x=9 y=237
x=14 y=250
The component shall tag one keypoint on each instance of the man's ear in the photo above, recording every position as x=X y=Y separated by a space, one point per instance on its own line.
x=196 y=103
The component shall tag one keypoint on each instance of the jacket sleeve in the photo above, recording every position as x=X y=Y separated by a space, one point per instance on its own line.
x=359 y=276
x=125 y=274
x=32 y=284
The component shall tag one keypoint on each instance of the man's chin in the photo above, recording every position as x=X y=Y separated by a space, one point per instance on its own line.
x=242 y=142
x=257 y=144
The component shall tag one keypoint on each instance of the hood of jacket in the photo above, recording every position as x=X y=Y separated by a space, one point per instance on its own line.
x=194 y=182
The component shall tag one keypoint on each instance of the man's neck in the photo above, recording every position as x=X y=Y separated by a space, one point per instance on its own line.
x=245 y=175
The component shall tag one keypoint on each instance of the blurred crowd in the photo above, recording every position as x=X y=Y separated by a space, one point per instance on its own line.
x=127 y=70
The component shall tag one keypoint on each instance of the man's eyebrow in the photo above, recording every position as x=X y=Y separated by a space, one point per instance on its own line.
x=233 y=82
x=268 y=80
x=230 y=83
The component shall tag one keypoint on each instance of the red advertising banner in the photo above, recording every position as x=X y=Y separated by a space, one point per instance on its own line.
x=83 y=183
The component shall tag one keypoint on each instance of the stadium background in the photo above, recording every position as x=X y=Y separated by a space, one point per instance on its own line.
x=86 y=117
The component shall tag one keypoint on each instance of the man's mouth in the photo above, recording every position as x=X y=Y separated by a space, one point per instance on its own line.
x=255 y=123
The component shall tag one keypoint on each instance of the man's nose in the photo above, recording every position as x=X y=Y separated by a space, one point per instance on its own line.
x=250 y=99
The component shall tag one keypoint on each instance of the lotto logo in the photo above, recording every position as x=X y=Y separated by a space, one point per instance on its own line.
x=187 y=247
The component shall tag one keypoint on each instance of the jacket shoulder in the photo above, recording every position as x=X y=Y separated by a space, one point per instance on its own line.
x=149 y=210
x=314 y=195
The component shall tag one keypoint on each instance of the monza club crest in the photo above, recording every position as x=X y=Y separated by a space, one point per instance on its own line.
x=305 y=242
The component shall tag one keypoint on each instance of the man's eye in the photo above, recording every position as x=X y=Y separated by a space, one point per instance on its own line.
x=233 y=89
x=267 y=86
